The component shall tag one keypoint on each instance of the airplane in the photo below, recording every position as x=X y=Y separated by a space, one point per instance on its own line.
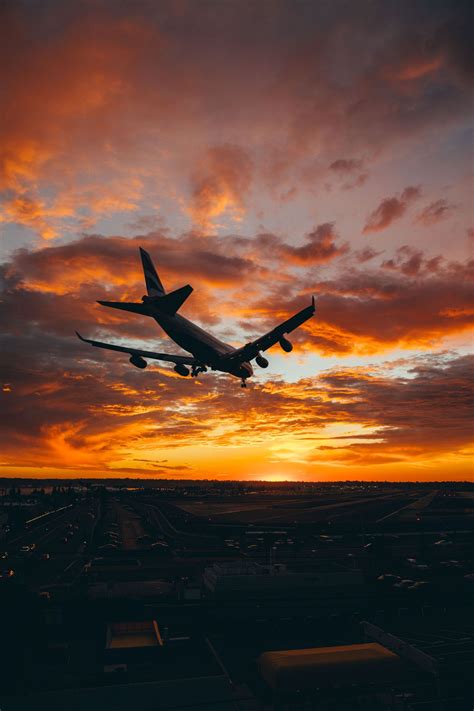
x=206 y=350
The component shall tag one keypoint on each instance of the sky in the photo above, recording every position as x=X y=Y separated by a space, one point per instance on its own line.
x=263 y=152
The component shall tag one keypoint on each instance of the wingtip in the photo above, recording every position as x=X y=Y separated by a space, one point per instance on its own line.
x=313 y=302
x=79 y=336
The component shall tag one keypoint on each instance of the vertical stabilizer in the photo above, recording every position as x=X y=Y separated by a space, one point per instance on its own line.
x=152 y=280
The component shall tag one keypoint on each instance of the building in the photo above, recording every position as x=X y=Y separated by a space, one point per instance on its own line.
x=425 y=666
x=228 y=580
x=355 y=675
x=135 y=589
x=300 y=669
x=130 y=643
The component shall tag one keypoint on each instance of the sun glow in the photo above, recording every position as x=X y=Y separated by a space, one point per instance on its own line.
x=274 y=477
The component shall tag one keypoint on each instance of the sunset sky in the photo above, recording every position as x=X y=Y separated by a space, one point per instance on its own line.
x=262 y=151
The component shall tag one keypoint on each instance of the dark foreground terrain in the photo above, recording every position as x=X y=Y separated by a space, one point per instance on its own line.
x=166 y=595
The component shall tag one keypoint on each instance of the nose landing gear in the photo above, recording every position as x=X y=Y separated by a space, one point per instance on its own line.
x=243 y=384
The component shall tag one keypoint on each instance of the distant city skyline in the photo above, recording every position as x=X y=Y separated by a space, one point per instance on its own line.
x=263 y=153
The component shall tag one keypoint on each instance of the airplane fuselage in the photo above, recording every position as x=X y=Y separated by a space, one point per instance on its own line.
x=205 y=347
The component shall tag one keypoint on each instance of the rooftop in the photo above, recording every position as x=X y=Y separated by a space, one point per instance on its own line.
x=298 y=669
x=133 y=635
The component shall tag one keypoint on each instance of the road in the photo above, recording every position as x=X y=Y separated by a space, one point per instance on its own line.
x=413 y=506
x=65 y=536
x=169 y=531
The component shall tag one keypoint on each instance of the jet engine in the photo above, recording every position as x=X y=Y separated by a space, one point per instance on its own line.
x=285 y=345
x=138 y=361
x=261 y=361
x=181 y=369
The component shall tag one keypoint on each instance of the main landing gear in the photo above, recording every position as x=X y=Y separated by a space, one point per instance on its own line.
x=196 y=369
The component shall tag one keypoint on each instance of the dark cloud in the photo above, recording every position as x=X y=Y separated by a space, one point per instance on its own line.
x=80 y=408
x=350 y=171
x=391 y=209
x=453 y=39
x=344 y=166
x=358 y=310
x=428 y=411
x=411 y=300
x=115 y=261
x=434 y=212
x=412 y=262
x=64 y=408
x=366 y=254
x=319 y=248
x=56 y=288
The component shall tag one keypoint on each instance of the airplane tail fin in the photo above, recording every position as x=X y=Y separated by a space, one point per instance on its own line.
x=157 y=300
x=152 y=280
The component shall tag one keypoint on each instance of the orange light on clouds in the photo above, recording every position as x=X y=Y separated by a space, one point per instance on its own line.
x=329 y=172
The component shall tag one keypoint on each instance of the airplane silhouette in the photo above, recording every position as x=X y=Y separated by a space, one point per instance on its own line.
x=207 y=350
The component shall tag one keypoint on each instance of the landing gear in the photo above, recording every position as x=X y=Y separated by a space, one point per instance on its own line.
x=196 y=369
x=243 y=384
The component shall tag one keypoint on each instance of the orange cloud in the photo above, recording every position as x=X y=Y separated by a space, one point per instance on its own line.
x=407 y=302
x=92 y=96
x=126 y=108
x=418 y=69
x=75 y=81
x=104 y=419
x=30 y=212
x=220 y=185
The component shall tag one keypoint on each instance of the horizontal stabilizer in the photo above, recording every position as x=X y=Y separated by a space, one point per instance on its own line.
x=126 y=306
x=170 y=303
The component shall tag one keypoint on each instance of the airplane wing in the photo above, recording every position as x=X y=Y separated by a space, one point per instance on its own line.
x=252 y=349
x=185 y=360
